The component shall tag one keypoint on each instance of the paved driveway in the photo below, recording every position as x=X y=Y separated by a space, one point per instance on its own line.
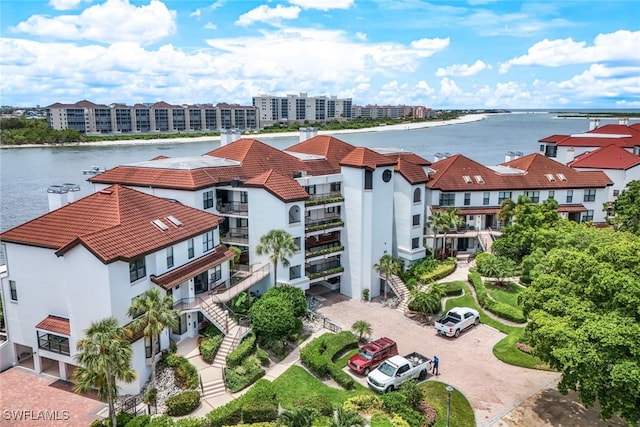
x=467 y=362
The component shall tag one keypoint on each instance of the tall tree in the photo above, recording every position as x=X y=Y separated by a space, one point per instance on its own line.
x=104 y=357
x=626 y=209
x=362 y=329
x=386 y=267
x=437 y=221
x=279 y=245
x=152 y=312
x=452 y=221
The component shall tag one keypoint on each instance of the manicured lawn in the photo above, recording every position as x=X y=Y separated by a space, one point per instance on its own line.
x=508 y=293
x=461 y=411
x=505 y=350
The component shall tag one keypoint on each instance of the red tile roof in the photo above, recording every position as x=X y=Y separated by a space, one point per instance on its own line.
x=572 y=208
x=362 y=157
x=282 y=186
x=412 y=172
x=451 y=172
x=114 y=224
x=331 y=148
x=55 y=324
x=617 y=129
x=585 y=141
x=553 y=138
x=174 y=277
x=609 y=157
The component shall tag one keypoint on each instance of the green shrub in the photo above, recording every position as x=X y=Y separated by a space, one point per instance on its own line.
x=242 y=377
x=394 y=402
x=398 y=421
x=500 y=309
x=319 y=402
x=122 y=418
x=320 y=354
x=209 y=347
x=413 y=417
x=150 y=395
x=453 y=289
x=188 y=422
x=226 y=415
x=441 y=271
x=363 y=403
x=246 y=347
x=186 y=373
x=525 y=280
x=263 y=357
x=140 y=421
x=161 y=421
x=183 y=403
x=259 y=411
x=343 y=379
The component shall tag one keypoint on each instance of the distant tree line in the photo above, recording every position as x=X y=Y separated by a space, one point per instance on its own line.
x=20 y=131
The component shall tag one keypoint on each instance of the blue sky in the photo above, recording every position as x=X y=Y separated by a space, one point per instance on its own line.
x=440 y=54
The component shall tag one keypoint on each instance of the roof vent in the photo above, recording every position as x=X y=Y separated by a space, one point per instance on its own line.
x=175 y=221
x=161 y=225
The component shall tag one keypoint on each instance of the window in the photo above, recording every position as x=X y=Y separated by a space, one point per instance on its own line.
x=542 y=148
x=417 y=195
x=207 y=241
x=416 y=220
x=503 y=195
x=552 y=194
x=207 y=199
x=294 y=214
x=310 y=189
x=588 y=216
x=54 y=343
x=242 y=222
x=295 y=272
x=170 y=257
x=147 y=346
x=415 y=243
x=589 y=195
x=550 y=176
x=368 y=180
x=534 y=196
x=13 y=290
x=467 y=199
x=479 y=179
x=244 y=198
x=447 y=199
x=336 y=187
x=561 y=176
x=137 y=269
x=467 y=179
x=190 y=250
x=616 y=193
x=215 y=274
x=296 y=241
x=485 y=198
x=569 y=196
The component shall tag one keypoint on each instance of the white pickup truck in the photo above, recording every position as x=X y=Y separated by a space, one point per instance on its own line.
x=456 y=320
x=397 y=369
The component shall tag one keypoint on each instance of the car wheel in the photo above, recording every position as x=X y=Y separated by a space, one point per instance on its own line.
x=423 y=375
x=366 y=371
x=390 y=388
x=477 y=321
x=457 y=334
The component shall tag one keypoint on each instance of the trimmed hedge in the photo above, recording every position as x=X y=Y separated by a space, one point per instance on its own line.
x=452 y=289
x=259 y=411
x=183 y=403
x=232 y=412
x=500 y=309
x=209 y=347
x=140 y=421
x=263 y=357
x=319 y=402
x=319 y=356
x=186 y=373
x=244 y=350
x=440 y=272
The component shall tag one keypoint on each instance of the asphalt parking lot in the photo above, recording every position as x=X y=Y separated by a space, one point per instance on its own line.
x=466 y=363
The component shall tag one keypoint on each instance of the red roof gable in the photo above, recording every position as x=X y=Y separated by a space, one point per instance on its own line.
x=362 y=157
x=609 y=157
x=114 y=223
x=55 y=324
x=331 y=148
x=282 y=186
x=617 y=129
x=553 y=138
x=586 y=141
x=412 y=172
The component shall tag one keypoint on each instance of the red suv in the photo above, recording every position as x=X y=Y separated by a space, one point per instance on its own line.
x=372 y=354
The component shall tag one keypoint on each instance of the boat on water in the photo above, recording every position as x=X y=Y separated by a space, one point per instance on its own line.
x=93 y=170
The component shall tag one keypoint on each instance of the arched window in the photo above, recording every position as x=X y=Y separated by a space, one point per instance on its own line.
x=417 y=194
x=294 y=214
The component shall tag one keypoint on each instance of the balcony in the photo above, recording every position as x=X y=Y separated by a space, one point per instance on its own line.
x=236 y=236
x=324 y=269
x=323 y=250
x=325 y=223
x=233 y=208
x=324 y=198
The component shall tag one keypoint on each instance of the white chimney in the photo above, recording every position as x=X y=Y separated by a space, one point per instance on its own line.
x=57 y=195
x=509 y=156
x=594 y=123
x=71 y=190
x=623 y=121
x=307 y=133
x=227 y=136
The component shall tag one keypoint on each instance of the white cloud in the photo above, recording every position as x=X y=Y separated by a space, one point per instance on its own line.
x=516 y=24
x=361 y=36
x=196 y=13
x=449 y=88
x=427 y=47
x=323 y=5
x=210 y=26
x=462 y=70
x=216 y=5
x=126 y=22
x=268 y=15
x=621 y=45
x=64 y=4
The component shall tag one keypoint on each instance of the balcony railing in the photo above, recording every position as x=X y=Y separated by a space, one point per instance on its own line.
x=323 y=223
x=324 y=198
x=323 y=250
x=237 y=208
x=324 y=273
x=237 y=235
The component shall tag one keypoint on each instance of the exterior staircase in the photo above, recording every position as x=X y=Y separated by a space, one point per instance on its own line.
x=486 y=240
x=401 y=291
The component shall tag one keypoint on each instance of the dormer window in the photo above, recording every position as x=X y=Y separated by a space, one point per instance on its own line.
x=479 y=179
x=550 y=176
x=561 y=177
x=467 y=179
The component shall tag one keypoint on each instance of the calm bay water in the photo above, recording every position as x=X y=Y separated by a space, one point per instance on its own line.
x=26 y=173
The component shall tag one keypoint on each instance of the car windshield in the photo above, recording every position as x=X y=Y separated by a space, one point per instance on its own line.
x=387 y=369
x=366 y=354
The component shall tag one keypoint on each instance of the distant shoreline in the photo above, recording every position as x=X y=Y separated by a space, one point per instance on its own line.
x=404 y=126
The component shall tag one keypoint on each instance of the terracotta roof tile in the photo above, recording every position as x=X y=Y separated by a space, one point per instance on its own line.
x=362 y=157
x=617 y=129
x=174 y=277
x=572 y=208
x=609 y=157
x=114 y=223
x=412 y=172
x=331 y=148
x=55 y=324
x=553 y=138
x=282 y=186
x=585 y=141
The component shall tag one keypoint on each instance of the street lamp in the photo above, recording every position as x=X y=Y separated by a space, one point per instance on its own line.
x=449 y=390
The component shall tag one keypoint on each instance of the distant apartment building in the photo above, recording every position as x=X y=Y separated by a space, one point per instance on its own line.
x=90 y=118
x=390 y=111
x=301 y=108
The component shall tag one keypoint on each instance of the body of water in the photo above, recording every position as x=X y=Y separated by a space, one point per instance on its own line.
x=26 y=173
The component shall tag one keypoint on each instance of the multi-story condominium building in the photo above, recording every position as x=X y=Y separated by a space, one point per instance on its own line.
x=93 y=257
x=389 y=111
x=91 y=118
x=301 y=108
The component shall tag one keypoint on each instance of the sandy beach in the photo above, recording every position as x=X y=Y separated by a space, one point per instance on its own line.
x=404 y=126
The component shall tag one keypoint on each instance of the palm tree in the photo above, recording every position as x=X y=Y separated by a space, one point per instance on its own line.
x=104 y=357
x=362 y=328
x=426 y=302
x=152 y=313
x=387 y=266
x=437 y=221
x=299 y=417
x=279 y=245
x=451 y=221
x=345 y=418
